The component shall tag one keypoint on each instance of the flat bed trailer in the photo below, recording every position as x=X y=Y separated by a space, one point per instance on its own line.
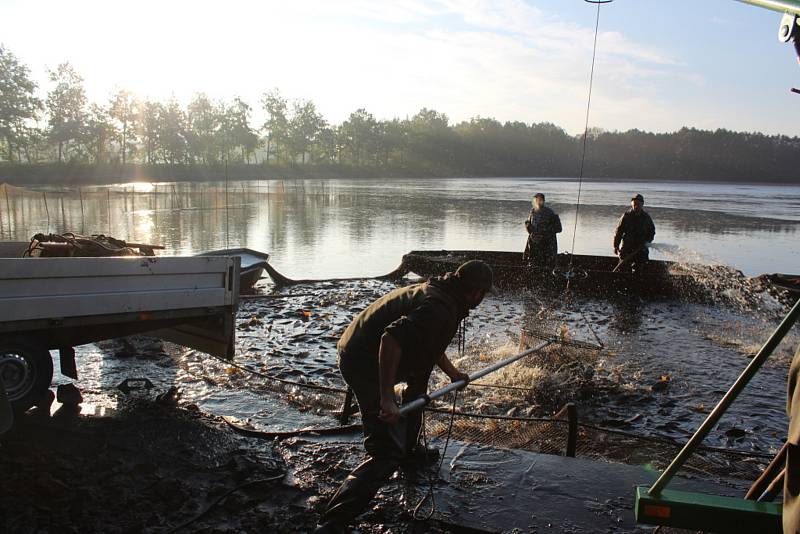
x=58 y=303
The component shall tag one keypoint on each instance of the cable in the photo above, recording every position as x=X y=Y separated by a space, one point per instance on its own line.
x=430 y=494
x=276 y=379
x=585 y=135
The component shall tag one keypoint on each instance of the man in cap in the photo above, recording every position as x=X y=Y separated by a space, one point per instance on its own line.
x=791 y=480
x=400 y=337
x=542 y=224
x=635 y=230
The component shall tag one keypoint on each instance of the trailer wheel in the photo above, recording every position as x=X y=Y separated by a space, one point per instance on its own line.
x=26 y=370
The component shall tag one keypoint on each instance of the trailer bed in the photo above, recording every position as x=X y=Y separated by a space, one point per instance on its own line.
x=58 y=303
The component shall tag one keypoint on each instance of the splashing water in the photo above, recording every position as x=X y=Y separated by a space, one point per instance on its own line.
x=726 y=285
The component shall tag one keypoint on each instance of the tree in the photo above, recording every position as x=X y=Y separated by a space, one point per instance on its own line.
x=304 y=128
x=277 y=124
x=395 y=140
x=326 y=148
x=124 y=112
x=235 y=130
x=203 y=125
x=356 y=134
x=66 y=104
x=149 y=129
x=18 y=105
x=99 y=133
x=173 y=133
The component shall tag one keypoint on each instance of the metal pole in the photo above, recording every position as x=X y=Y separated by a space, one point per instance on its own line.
x=8 y=209
x=723 y=405
x=46 y=210
x=783 y=6
x=426 y=399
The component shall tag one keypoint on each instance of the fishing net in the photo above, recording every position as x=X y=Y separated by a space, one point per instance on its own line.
x=534 y=434
x=501 y=410
x=551 y=436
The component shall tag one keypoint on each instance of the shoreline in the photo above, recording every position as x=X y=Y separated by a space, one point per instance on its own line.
x=84 y=174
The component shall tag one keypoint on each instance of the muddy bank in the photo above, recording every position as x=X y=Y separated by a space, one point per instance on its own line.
x=153 y=467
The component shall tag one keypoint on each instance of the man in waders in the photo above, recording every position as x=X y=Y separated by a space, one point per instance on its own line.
x=543 y=224
x=400 y=337
x=635 y=230
x=791 y=479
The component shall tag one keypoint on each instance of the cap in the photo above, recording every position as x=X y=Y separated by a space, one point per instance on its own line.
x=638 y=197
x=539 y=195
x=478 y=275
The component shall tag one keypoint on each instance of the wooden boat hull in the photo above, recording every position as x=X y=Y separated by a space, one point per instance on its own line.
x=253 y=264
x=591 y=275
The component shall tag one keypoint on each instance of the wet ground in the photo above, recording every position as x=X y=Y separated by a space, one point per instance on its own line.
x=148 y=466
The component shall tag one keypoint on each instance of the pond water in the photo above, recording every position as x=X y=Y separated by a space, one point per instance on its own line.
x=325 y=228
x=665 y=363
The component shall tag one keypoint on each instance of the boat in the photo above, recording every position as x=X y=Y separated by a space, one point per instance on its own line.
x=787 y=282
x=586 y=274
x=253 y=265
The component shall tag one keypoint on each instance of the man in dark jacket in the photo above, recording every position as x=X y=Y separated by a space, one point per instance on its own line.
x=635 y=230
x=400 y=337
x=543 y=224
x=791 y=479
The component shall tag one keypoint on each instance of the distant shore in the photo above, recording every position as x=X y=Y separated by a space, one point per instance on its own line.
x=92 y=174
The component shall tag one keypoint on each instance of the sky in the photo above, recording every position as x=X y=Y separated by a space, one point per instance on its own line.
x=660 y=65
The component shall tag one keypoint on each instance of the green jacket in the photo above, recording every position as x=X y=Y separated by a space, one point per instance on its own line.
x=423 y=318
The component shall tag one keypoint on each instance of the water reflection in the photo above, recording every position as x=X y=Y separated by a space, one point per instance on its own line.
x=318 y=228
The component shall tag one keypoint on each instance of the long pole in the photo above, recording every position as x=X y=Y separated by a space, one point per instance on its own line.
x=8 y=209
x=426 y=399
x=724 y=403
x=227 y=218
x=46 y=210
x=783 y=6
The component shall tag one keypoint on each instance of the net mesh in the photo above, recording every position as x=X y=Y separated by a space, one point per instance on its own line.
x=539 y=435
x=550 y=436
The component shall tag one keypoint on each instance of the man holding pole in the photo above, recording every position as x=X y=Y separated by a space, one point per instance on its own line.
x=399 y=338
x=635 y=230
x=541 y=249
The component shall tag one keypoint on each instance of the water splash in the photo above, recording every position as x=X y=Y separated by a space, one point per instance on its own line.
x=726 y=285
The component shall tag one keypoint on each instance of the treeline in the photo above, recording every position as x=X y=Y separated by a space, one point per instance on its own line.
x=60 y=129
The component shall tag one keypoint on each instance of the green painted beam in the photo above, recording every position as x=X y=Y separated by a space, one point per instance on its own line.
x=782 y=6
x=709 y=513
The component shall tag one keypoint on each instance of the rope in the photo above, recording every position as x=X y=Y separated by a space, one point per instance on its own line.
x=277 y=379
x=585 y=136
x=435 y=476
x=281 y=280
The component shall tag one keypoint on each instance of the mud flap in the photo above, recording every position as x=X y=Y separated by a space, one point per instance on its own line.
x=213 y=335
x=66 y=356
x=6 y=413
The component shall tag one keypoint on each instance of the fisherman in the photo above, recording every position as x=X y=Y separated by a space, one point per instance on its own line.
x=399 y=338
x=635 y=231
x=542 y=225
x=791 y=479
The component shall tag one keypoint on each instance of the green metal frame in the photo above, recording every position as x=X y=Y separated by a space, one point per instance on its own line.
x=704 y=508
x=709 y=513
x=782 y=6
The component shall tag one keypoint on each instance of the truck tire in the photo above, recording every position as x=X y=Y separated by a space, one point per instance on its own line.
x=26 y=370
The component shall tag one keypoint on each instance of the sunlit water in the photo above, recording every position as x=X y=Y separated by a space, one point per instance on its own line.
x=322 y=229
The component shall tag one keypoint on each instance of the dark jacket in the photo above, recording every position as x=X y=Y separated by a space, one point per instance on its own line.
x=423 y=318
x=543 y=224
x=634 y=230
x=791 y=481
